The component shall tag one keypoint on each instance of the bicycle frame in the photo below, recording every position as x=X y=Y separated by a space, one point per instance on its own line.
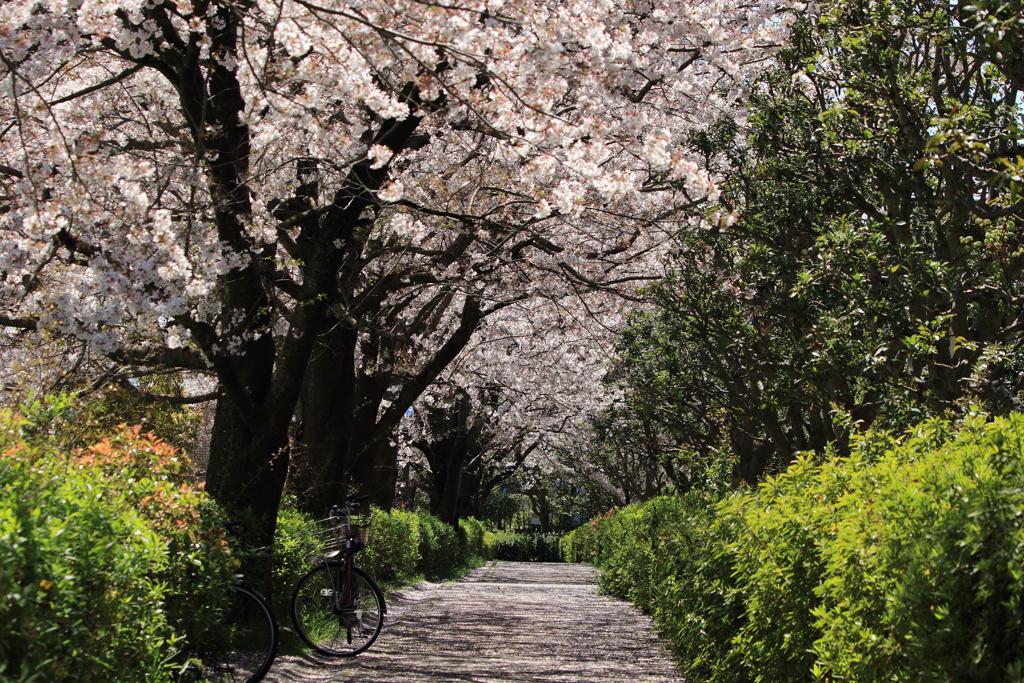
x=338 y=609
x=344 y=596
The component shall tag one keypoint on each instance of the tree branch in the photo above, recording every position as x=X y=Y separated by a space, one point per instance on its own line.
x=99 y=86
x=149 y=397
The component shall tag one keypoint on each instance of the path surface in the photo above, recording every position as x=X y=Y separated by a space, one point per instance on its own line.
x=508 y=621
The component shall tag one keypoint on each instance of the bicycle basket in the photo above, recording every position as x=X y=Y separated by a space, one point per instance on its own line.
x=361 y=527
x=331 y=535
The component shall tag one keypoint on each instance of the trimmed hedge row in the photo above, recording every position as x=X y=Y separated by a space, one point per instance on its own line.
x=520 y=547
x=904 y=562
x=406 y=544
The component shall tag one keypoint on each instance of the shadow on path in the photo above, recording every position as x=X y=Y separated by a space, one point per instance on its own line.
x=507 y=621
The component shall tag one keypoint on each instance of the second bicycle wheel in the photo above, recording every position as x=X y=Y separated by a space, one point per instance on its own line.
x=334 y=621
x=246 y=643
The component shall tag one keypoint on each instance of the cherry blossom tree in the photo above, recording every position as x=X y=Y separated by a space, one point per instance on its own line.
x=529 y=381
x=324 y=200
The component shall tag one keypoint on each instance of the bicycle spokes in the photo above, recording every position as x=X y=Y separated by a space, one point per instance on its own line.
x=330 y=623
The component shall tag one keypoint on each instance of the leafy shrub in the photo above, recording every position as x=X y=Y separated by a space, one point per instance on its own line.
x=296 y=539
x=544 y=547
x=922 y=557
x=490 y=545
x=394 y=548
x=471 y=541
x=580 y=544
x=438 y=545
x=525 y=547
x=903 y=562
x=510 y=546
x=106 y=556
x=405 y=544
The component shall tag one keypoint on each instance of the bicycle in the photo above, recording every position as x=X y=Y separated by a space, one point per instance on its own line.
x=245 y=649
x=338 y=609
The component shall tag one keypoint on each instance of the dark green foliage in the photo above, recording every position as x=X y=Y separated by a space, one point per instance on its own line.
x=502 y=509
x=527 y=547
x=873 y=265
x=471 y=541
x=439 y=546
x=903 y=562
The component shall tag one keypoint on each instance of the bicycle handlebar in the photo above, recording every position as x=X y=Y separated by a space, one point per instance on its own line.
x=351 y=502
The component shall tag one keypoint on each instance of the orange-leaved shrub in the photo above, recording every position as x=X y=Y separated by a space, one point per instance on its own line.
x=109 y=556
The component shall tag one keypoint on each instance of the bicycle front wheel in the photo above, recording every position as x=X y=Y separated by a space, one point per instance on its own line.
x=335 y=619
x=248 y=643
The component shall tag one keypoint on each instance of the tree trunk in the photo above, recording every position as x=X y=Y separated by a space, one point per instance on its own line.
x=317 y=476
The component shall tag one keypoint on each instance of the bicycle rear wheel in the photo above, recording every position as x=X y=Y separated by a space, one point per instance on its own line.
x=249 y=643
x=331 y=625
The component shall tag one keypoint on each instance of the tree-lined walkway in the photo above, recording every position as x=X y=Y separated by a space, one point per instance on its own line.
x=508 y=621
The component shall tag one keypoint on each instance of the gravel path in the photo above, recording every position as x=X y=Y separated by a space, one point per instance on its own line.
x=507 y=621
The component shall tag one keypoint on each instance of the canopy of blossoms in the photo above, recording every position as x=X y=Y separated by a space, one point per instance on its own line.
x=218 y=186
x=561 y=119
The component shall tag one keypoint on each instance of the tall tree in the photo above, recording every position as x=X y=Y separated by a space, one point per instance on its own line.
x=243 y=189
x=865 y=269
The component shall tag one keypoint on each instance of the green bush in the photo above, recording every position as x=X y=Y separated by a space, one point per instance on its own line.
x=296 y=539
x=903 y=562
x=438 y=546
x=405 y=544
x=525 y=547
x=394 y=548
x=471 y=541
x=107 y=555
x=580 y=544
x=490 y=545
x=511 y=546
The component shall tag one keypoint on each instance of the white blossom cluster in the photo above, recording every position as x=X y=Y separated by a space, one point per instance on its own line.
x=550 y=133
x=535 y=373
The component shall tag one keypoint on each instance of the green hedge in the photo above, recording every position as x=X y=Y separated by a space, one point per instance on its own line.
x=490 y=545
x=526 y=547
x=471 y=541
x=439 y=546
x=296 y=539
x=394 y=548
x=407 y=544
x=107 y=558
x=904 y=562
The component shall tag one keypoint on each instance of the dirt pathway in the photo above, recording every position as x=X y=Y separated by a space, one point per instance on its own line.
x=508 y=621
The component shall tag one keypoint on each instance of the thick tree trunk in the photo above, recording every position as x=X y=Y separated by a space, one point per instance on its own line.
x=752 y=458
x=543 y=510
x=448 y=495
x=317 y=476
x=247 y=469
x=343 y=448
x=470 y=496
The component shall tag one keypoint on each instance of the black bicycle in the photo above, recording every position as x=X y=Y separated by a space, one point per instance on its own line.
x=338 y=609
x=244 y=648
